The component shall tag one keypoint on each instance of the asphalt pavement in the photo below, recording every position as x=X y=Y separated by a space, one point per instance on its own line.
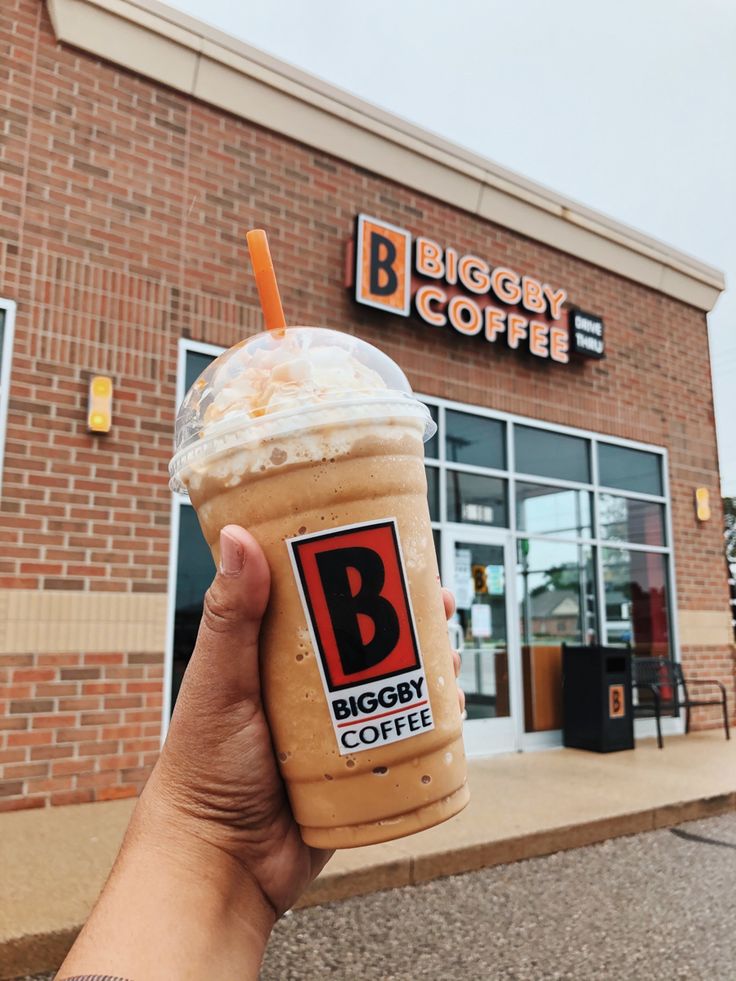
x=654 y=906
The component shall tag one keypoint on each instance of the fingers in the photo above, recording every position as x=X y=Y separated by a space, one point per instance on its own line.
x=226 y=653
x=449 y=601
x=241 y=587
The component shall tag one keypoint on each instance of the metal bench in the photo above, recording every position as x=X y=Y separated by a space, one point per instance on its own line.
x=665 y=688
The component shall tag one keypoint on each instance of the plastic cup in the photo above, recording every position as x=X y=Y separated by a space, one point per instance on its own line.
x=314 y=442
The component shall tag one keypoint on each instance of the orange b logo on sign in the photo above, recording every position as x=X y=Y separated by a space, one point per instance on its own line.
x=382 y=266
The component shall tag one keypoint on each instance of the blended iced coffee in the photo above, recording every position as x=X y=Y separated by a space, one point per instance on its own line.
x=313 y=441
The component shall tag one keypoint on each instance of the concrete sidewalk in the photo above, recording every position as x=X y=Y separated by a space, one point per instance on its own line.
x=54 y=861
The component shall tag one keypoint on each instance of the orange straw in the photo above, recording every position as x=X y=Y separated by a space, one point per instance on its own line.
x=268 y=290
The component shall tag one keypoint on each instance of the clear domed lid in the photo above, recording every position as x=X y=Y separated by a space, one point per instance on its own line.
x=277 y=375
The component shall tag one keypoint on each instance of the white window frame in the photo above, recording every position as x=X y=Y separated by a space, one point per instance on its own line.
x=643 y=726
x=178 y=501
x=8 y=307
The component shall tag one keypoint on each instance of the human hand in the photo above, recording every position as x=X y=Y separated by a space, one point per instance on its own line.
x=217 y=775
x=217 y=769
x=213 y=855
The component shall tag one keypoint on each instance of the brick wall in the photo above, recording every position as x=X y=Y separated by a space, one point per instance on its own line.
x=77 y=727
x=122 y=212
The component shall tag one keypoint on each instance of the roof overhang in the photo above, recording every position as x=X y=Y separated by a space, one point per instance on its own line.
x=168 y=46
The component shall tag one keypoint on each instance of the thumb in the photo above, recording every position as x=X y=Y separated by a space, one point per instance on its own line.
x=225 y=656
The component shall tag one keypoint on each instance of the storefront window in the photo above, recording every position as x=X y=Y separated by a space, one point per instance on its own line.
x=481 y=618
x=476 y=440
x=547 y=454
x=624 y=519
x=196 y=362
x=194 y=572
x=553 y=510
x=637 y=601
x=631 y=470
x=568 y=532
x=431 y=447
x=436 y=538
x=476 y=500
x=556 y=605
x=433 y=492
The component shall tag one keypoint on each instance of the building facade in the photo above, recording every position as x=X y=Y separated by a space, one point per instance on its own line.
x=138 y=146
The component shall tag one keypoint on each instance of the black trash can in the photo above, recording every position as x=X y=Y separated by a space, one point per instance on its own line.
x=596 y=698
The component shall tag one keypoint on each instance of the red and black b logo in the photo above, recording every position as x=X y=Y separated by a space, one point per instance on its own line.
x=354 y=594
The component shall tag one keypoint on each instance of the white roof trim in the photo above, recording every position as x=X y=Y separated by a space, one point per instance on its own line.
x=164 y=44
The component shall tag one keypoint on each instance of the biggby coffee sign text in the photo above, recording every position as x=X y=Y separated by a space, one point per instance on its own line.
x=446 y=288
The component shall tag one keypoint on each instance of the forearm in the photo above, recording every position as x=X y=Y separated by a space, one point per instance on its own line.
x=174 y=907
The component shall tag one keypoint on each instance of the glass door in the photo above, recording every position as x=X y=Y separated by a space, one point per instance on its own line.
x=477 y=569
x=556 y=596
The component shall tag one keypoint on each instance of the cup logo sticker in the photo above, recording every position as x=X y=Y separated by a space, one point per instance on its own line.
x=353 y=589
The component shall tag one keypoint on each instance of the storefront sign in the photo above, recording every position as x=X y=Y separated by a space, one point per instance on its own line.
x=586 y=334
x=480 y=620
x=479 y=577
x=392 y=272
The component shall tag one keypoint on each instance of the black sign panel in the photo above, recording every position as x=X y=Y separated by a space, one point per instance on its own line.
x=586 y=334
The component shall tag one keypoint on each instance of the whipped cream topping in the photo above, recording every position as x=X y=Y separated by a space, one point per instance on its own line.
x=289 y=374
x=308 y=382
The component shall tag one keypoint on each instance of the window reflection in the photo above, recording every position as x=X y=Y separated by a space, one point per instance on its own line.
x=480 y=615
x=475 y=440
x=437 y=546
x=557 y=604
x=431 y=447
x=476 y=500
x=195 y=364
x=433 y=492
x=553 y=510
x=637 y=600
x=632 y=470
x=539 y=451
x=626 y=520
x=194 y=572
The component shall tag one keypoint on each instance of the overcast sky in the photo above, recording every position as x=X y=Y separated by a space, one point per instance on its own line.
x=627 y=107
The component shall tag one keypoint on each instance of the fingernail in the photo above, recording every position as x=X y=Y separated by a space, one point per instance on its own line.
x=232 y=554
